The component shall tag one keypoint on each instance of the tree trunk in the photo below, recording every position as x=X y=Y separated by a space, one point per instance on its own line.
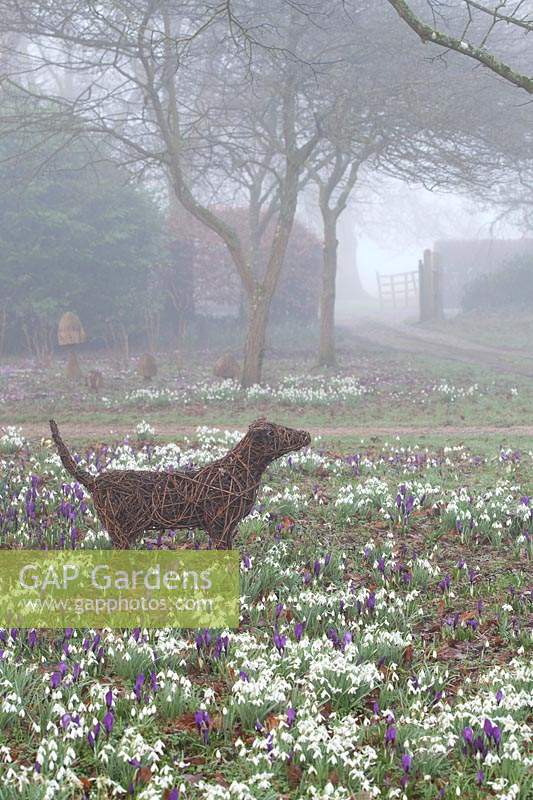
x=3 y=329
x=348 y=272
x=254 y=346
x=326 y=351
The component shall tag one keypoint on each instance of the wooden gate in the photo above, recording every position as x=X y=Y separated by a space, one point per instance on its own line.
x=399 y=290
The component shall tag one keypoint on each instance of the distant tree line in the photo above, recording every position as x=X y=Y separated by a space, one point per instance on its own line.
x=507 y=288
x=80 y=236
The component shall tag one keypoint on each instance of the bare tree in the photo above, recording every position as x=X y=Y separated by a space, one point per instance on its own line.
x=386 y=119
x=244 y=126
x=483 y=20
x=139 y=74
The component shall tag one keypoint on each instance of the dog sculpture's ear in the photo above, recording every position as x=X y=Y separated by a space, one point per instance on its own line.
x=262 y=430
x=258 y=423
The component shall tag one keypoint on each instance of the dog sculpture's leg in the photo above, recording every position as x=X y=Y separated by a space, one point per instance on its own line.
x=119 y=538
x=221 y=536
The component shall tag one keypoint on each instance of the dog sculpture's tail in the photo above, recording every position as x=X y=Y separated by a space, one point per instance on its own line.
x=68 y=462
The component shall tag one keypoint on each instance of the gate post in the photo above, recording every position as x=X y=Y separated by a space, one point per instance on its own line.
x=438 y=308
x=430 y=287
x=425 y=282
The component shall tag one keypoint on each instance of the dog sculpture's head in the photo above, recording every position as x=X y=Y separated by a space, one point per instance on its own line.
x=273 y=441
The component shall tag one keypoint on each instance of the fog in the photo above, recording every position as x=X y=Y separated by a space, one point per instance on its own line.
x=394 y=233
x=191 y=177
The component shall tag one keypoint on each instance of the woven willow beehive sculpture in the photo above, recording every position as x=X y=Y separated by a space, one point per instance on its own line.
x=147 y=367
x=70 y=333
x=214 y=498
x=226 y=367
x=70 y=330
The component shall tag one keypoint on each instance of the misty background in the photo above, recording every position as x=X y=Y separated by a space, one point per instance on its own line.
x=201 y=174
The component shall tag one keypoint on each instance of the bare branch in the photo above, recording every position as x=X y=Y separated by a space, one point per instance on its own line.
x=427 y=33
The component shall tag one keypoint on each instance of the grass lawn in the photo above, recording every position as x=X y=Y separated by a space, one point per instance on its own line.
x=384 y=645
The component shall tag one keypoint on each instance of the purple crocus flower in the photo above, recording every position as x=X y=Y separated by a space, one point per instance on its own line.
x=499 y=696
x=203 y=722
x=332 y=635
x=390 y=735
x=291 y=716
x=55 y=680
x=407 y=760
x=480 y=777
x=468 y=735
x=137 y=688
x=108 y=721
x=32 y=638
x=492 y=732
x=244 y=676
x=371 y=601
x=473 y=576
x=316 y=568
x=298 y=630
x=278 y=611
x=109 y=698
x=174 y=794
x=280 y=642
x=479 y=746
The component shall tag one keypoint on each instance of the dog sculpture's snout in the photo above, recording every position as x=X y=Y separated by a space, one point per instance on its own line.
x=303 y=439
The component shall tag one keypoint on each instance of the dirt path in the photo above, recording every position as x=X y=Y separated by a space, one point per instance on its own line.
x=92 y=432
x=409 y=338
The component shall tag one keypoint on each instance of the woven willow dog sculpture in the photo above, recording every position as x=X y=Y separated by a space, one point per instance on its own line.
x=214 y=498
